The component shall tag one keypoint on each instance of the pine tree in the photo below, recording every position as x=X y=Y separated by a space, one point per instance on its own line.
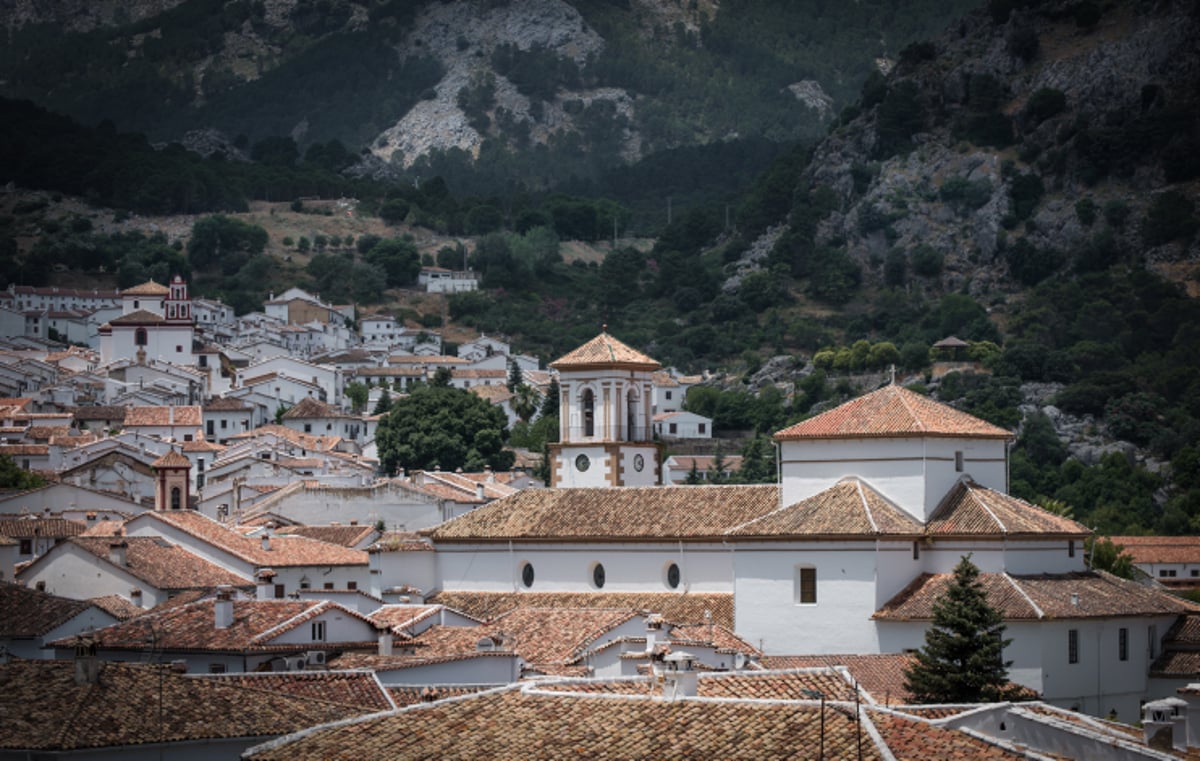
x=516 y=378
x=384 y=405
x=550 y=401
x=962 y=659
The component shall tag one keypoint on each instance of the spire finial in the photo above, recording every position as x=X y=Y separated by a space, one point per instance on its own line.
x=604 y=327
x=893 y=372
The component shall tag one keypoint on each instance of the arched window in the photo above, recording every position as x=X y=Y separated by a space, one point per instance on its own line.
x=631 y=415
x=176 y=496
x=589 y=412
x=139 y=336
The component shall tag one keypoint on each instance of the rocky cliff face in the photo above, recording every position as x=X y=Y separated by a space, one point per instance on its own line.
x=1056 y=88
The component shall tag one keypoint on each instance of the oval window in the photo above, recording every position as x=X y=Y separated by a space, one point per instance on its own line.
x=582 y=463
x=527 y=575
x=598 y=575
x=673 y=576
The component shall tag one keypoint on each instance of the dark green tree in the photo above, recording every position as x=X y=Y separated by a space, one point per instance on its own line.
x=12 y=476
x=550 y=401
x=1104 y=554
x=515 y=377
x=962 y=659
x=357 y=392
x=384 y=405
x=443 y=427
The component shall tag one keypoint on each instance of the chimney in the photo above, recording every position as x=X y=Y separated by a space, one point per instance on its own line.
x=135 y=596
x=87 y=665
x=386 y=641
x=223 y=607
x=653 y=627
x=479 y=492
x=263 y=589
x=118 y=553
x=679 y=676
x=266 y=537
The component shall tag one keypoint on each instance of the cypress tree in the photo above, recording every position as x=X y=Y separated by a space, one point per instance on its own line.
x=962 y=659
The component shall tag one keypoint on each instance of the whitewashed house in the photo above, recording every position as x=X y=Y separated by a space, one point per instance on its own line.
x=682 y=425
x=441 y=280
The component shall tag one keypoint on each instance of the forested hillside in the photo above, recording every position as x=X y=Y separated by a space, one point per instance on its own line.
x=1026 y=181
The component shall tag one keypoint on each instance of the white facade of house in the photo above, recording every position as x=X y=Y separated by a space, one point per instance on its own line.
x=68 y=570
x=439 y=280
x=328 y=379
x=682 y=425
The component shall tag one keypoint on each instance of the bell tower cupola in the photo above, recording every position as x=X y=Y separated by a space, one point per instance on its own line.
x=605 y=427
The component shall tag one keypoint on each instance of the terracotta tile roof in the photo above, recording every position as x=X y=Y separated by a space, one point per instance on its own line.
x=172 y=459
x=655 y=513
x=407 y=696
x=148 y=288
x=402 y=617
x=378 y=663
x=201 y=444
x=100 y=412
x=224 y=404
x=117 y=607
x=1084 y=594
x=497 y=394
x=881 y=675
x=541 y=636
x=360 y=689
x=135 y=704
x=15 y=450
x=911 y=738
x=255 y=627
x=674 y=607
x=305 y=440
x=1160 y=549
x=969 y=508
x=139 y=317
x=30 y=613
x=848 y=508
x=312 y=408
x=163 y=565
x=34 y=526
x=890 y=412
x=777 y=685
x=46 y=432
x=284 y=550
x=733 y=462
x=543 y=724
x=401 y=541
x=604 y=351
x=345 y=536
x=1176 y=664
x=716 y=635
x=184 y=415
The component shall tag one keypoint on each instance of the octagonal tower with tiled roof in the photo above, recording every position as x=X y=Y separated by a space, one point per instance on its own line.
x=605 y=431
x=911 y=448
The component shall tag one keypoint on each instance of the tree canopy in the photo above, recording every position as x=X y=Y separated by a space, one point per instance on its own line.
x=962 y=659
x=438 y=426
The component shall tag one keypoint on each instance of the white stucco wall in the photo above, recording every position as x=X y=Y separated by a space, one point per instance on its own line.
x=398 y=569
x=767 y=613
x=70 y=571
x=557 y=568
x=915 y=473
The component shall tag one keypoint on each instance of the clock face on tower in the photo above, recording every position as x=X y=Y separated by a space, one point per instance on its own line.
x=639 y=462
x=582 y=463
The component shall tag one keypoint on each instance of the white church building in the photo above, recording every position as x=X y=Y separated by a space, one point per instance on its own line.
x=155 y=322
x=877 y=501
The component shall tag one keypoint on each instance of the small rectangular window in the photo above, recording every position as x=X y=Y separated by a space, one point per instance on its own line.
x=1072 y=646
x=702 y=427
x=329 y=585
x=216 y=668
x=806 y=586
x=318 y=631
x=1152 y=640
x=1123 y=644
x=26 y=546
x=916 y=550
x=352 y=585
x=672 y=428
x=668 y=394
x=1070 y=548
x=958 y=462
x=278 y=591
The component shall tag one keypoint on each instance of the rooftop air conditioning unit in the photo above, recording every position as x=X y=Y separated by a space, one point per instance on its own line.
x=296 y=663
x=315 y=657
